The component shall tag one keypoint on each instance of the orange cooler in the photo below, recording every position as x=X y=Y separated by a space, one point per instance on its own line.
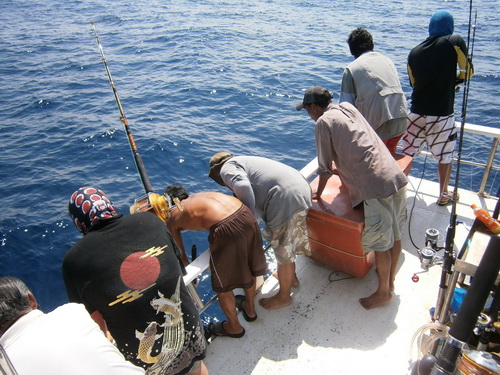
x=335 y=228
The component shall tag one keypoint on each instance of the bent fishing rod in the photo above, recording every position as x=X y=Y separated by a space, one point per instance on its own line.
x=137 y=157
x=152 y=202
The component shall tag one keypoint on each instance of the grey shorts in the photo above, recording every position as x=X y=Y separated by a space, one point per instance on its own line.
x=439 y=132
x=384 y=221
x=290 y=240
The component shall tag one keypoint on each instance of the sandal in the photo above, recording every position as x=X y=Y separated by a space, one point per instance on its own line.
x=239 y=305
x=447 y=197
x=217 y=329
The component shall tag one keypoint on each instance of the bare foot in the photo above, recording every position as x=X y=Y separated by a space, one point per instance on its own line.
x=375 y=300
x=275 y=302
x=295 y=282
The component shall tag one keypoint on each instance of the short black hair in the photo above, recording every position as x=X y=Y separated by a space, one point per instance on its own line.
x=360 y=40
x=176 y=191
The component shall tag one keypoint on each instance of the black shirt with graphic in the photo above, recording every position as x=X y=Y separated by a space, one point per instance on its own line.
x=126 y=268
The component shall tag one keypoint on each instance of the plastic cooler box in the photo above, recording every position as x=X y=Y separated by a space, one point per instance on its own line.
x=335 y=228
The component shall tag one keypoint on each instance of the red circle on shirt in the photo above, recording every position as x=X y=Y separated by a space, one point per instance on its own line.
x=140 y=270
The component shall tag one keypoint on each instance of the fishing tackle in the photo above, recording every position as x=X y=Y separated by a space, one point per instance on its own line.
x=137 y=157
x=152 y=202
x=448 y=258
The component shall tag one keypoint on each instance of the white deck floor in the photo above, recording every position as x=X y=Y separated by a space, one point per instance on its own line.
x=326 y=331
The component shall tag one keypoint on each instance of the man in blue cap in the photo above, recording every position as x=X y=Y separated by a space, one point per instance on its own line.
x=432 y=68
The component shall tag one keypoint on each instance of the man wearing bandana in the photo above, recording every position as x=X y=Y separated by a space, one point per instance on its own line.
x=126 y=273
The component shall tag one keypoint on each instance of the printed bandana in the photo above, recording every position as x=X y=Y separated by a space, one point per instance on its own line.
x=87 y=205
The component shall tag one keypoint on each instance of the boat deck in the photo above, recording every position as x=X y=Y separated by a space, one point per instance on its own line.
x=326 y=331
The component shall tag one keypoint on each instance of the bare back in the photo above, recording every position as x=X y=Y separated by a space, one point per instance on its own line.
x=202 y=210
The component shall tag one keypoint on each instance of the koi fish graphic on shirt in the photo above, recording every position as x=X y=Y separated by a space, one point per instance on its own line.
x=172 y=335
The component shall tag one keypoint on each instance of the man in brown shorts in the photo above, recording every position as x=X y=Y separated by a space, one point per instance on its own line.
x=236 y=251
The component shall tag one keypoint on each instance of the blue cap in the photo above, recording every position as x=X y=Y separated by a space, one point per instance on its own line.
x=441 y=23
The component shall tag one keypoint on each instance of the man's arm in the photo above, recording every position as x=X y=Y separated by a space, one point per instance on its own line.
x=177 y=236
x=321 y=186
x=464 y=63
x=98 y=318
x=410 y=75
x=244 y=192
x=347 y=89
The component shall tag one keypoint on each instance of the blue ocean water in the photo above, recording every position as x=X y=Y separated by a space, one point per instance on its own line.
x=194 y=78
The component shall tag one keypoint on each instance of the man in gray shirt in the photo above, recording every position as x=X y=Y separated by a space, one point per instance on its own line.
x=280 y=196
x=371 y=84
x=370 y=173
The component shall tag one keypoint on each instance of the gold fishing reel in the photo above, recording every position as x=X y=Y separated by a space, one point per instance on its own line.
x=160 y=205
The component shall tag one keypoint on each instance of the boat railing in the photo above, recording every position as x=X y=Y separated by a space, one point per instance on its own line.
x=201 y=263
x=489 y=166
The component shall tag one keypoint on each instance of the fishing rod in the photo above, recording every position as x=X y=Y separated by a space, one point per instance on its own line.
x=160 y=205
x=448 y=259
x=137 y=157
x=489 y=265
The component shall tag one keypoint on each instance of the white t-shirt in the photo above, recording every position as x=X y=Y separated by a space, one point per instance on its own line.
x=65 y=341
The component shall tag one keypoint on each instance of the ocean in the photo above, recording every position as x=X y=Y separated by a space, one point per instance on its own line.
x=194 y=78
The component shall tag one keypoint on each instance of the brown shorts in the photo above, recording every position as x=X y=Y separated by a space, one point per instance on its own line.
x=236 y=251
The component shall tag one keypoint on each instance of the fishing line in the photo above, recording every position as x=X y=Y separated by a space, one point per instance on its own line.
x=339 y=279
x=414 y=201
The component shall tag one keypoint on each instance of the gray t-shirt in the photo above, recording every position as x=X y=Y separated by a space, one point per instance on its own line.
x=272 y=190
x=371 y=84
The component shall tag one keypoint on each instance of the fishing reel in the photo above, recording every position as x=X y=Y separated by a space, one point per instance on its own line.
x=427 y=255
x=160 y=205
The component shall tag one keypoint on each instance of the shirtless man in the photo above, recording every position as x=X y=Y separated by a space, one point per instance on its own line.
x=236 y=251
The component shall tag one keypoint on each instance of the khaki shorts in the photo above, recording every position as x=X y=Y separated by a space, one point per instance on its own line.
x=290 y=240
x=384 y=221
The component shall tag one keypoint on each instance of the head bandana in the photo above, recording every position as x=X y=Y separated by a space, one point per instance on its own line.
x=87 y=205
